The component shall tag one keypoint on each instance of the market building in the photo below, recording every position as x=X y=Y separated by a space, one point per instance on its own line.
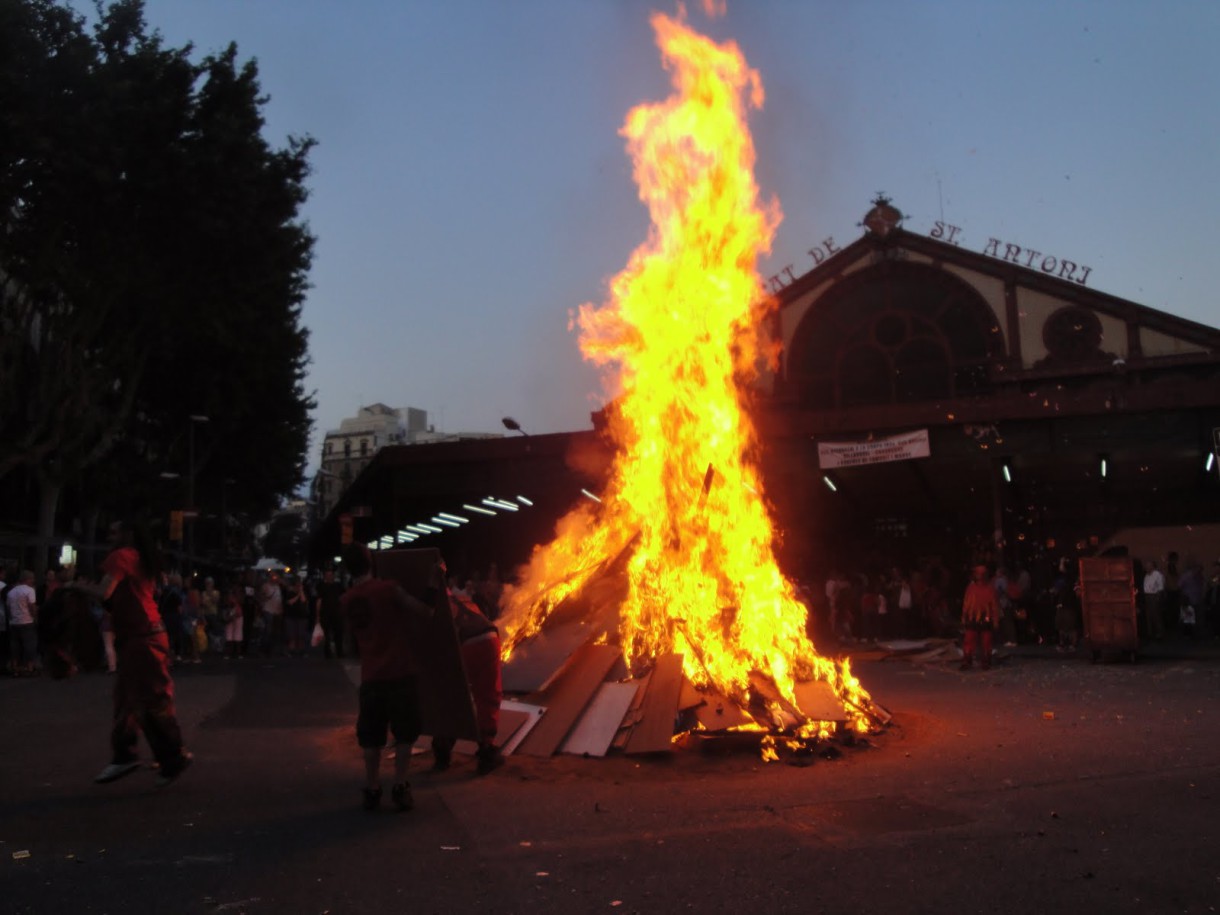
x=930 y=398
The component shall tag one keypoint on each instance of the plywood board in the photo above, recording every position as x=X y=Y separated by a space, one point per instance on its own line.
x=690 y=697
x=444 y=694
x=511 y=721
x=904 y=646
x=567 y=698
x=945 y=651
x=718 y=714
x=533 y=715
x=633 y=712
x=655 y=731
x=536 y=662
x=596 y=728
x=818 y=702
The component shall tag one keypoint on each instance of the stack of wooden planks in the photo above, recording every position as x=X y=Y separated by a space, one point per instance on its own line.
x=584 y=703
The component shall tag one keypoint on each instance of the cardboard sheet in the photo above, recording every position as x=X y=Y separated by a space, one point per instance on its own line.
x=596 y=729
x=445 y=701
x=568 y=697
x=655 y=731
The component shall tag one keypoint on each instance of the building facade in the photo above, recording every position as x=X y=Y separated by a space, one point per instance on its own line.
x=346 y=451
x=930 y=394
x=930 y=399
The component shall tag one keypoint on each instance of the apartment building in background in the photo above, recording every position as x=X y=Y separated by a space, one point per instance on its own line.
x=346 y=451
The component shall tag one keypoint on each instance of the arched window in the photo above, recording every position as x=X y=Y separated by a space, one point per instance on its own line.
x=923 y=370
x=893 y=333
x=864 y=376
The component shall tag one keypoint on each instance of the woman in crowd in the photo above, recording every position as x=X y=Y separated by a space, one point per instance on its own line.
x=192 y=619
x=209 y=604
x=296 y=617
x=232 y=613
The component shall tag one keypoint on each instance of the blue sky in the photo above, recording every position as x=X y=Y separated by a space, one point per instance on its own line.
x=470 y=187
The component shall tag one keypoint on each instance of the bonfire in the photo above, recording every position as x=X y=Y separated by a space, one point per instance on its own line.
x=683 y=518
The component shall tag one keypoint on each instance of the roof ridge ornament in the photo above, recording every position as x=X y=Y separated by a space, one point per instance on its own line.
x=883 y=218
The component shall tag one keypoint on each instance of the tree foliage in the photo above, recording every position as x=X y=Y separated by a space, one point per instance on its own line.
x=153 y=264
x=285 y=539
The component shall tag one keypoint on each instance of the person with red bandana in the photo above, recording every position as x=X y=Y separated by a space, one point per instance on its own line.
x=143 y=689
x=980 y=615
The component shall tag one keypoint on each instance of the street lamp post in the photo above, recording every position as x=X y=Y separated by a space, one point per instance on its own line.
x=172 y=475
x=224 y=516
x=190 y=492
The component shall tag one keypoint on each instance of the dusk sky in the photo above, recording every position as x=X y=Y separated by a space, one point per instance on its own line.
x=470 y=187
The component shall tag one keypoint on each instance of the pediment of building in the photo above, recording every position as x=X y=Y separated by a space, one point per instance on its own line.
x=902 y=318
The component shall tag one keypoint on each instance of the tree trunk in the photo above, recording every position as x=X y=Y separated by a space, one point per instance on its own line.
x=48 y=503
x=87 y=561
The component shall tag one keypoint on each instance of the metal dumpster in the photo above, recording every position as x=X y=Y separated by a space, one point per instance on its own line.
x=1107 y=604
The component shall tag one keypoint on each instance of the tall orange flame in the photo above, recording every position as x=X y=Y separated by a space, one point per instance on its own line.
x=684 y=324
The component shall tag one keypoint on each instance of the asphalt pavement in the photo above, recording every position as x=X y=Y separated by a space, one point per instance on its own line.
x=1047 y=783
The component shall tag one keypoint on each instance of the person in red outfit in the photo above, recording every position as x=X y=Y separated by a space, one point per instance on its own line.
x=479 y=640
x=143 y=689
x=385 y=622
x=980 y=615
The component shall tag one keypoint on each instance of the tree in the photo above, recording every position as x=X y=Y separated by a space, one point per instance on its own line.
x=285 y=539
x=152 y=265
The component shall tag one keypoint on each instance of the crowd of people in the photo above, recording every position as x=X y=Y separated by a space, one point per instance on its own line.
x=137 y=621
x=1176 y=596
x=243 y=614
x=239 y=616
x=1035 y=604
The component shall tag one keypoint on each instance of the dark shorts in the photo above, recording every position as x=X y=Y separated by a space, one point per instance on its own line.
x=388 y=705
x=23 y=642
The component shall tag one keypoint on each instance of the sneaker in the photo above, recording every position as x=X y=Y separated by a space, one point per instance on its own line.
x=401 y=796
x=169 y=775
x=115 y=771
x=372 y=798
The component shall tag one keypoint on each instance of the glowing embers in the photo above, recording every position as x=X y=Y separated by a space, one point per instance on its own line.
x=681 y=523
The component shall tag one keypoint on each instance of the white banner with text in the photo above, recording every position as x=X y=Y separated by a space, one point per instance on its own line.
x=903 y=447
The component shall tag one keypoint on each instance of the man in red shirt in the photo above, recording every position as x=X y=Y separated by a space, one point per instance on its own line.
x=143 y=690
x=385 y=622
x=980 y=614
